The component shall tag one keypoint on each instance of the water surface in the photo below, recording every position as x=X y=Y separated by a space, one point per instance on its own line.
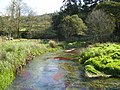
x=55 y=71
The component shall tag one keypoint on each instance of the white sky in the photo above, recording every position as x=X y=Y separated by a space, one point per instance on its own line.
x=41 y=6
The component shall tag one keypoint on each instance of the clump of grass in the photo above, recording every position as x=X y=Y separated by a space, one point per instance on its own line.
x=52 y=43
x=15 y=54
x=104 y=58
x=6 y=74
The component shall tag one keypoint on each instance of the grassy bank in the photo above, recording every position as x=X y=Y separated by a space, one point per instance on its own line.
x=101 y=60
x=75 y=44
x=15 y=54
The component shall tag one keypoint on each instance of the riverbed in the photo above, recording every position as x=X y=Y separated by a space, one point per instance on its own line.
x=55 y=71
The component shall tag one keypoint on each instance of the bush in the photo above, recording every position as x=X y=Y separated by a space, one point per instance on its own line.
x=104 y=58
x=52 y=43
x=113 y=9
x=99 y=25
x=72 y=25
x=91 y=69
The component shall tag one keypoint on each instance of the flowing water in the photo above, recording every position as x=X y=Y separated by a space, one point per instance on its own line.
x=53 y=72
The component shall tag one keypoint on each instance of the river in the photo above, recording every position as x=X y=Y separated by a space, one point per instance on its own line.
x=50 y=72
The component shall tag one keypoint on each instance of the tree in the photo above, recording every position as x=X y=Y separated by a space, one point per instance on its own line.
x=90 y=4
x=15 y=10
x=80 y=7
x=113 y=9
x=1 y=24
x=31 y=21
x=75 y=6
x=99 y=24
x=18 y=15
x=71 y=25
x=116 y=0
x=8 y=27
x=71 y=7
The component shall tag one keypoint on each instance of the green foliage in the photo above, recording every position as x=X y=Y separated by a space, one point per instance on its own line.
x=90 y=69
x=104 y=58
x=14 y=54
x=6 y=74
x=39 y=26
x=71 y=7
x=75 y=44
x=113 y=68
x=116 y=0
x=30 y=26
x=99 y=24
x=72 y=25
x=112 y=8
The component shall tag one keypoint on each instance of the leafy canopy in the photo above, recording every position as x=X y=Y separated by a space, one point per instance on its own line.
x=72 y=25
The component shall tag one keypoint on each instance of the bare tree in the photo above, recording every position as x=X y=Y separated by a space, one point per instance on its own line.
x=16 y=9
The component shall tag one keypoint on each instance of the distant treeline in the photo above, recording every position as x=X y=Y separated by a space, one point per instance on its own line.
x=96 y=20
x=29 y=27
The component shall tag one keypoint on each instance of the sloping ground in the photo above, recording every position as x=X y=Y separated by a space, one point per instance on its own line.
x=101 y=60
x=14 y=55
x=47 y=72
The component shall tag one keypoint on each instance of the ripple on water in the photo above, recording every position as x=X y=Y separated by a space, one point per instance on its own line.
x=46 y=73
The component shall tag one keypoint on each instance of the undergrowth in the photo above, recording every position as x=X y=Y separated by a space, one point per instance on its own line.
x=104 y=58
x=14 y=54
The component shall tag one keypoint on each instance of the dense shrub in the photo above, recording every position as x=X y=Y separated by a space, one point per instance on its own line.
x=104 y=58
x=70 y=26
x=52 y=43
x=113 y=9
x=99 y=25
x=91 y=70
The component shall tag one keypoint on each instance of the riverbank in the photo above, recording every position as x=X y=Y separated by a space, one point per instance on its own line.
x=17 y=53
x=58 y=71
x=98 y=60
x=101 y=60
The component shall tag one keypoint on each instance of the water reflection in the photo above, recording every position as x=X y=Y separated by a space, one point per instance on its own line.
x=50 y=73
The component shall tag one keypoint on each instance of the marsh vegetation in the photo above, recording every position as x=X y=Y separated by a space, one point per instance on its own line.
x=88 y=32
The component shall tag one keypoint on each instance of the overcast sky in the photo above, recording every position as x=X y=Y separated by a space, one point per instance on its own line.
x=41 y=6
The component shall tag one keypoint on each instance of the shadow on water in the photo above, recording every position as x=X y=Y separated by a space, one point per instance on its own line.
x=58 y=72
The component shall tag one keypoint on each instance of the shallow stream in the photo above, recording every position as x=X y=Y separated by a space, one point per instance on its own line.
x=53 y=72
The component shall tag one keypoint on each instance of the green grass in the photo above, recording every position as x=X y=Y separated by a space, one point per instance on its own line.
x=104 y=58
x=13 y=54
x=75 y=44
